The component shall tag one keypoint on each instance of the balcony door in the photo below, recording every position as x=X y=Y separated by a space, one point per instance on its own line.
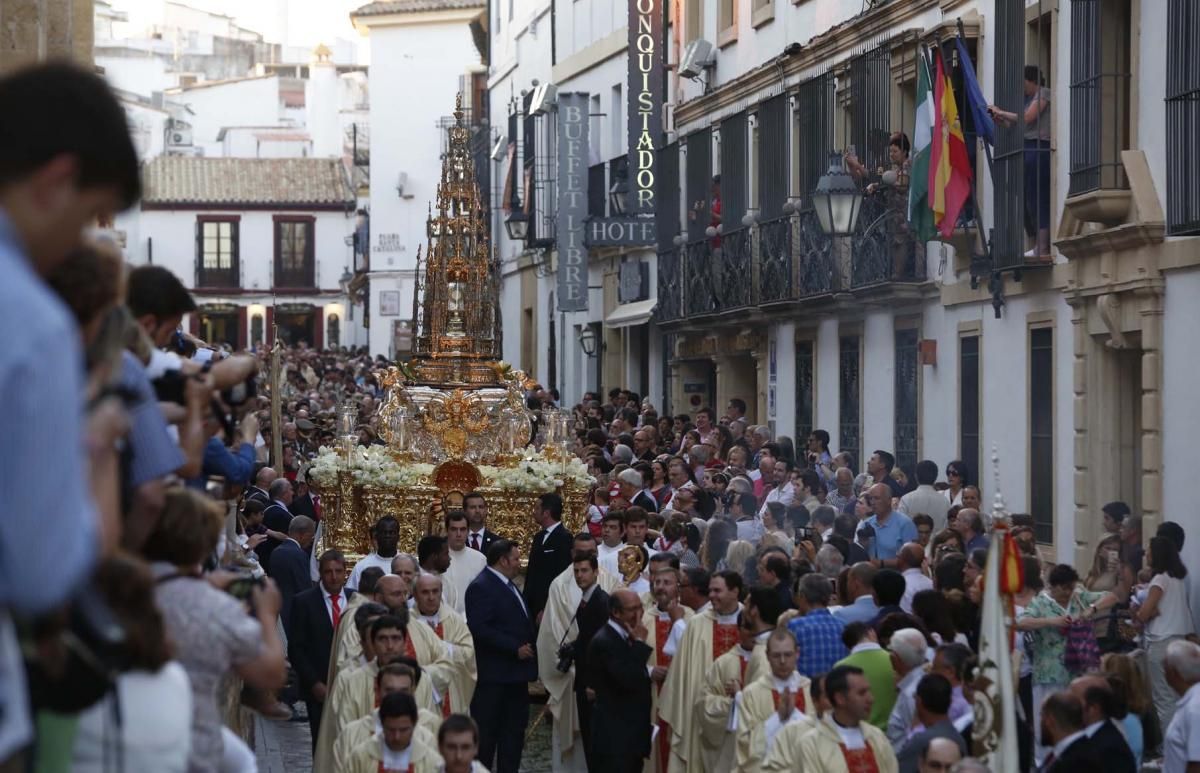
x=295 y=252
x=217 y=252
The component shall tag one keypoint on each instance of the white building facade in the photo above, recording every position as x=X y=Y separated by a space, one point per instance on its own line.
x=264 y=245
x=422 y=53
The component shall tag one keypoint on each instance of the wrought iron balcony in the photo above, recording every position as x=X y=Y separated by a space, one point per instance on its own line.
x=883 y=248
x=788 y=259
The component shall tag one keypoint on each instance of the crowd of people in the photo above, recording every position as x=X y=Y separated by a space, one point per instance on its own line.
x=731 y=599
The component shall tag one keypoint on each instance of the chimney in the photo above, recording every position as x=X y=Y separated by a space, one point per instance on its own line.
x=322 y=105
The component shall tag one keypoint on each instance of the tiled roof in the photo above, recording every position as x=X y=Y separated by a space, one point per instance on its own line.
x=381 y=7
x=181 y=180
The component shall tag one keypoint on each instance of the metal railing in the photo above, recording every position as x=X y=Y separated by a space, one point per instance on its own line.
x=785 y=259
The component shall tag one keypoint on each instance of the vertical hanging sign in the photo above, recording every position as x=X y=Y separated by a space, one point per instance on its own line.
x=572 y=201
x=645 y=95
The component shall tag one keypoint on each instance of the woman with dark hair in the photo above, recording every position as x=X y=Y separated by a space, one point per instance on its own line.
x=933 y=609
x=787 y=450
x=1048 y=617
x=1167 y=617
x=724 y=443
x=659 y=486
x=716 y=544
x=958 y=476
x=152 y=697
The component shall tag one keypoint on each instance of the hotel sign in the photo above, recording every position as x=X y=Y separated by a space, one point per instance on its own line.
x=572 y=201
x=645 y=94
x=623 y=231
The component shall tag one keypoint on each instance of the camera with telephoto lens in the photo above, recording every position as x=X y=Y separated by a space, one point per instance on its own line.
x=566 y=657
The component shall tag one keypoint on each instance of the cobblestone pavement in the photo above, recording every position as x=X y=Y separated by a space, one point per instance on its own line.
x=284 y=747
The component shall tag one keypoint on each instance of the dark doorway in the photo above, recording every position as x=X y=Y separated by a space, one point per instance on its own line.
x=219 y=327
x=296 y=327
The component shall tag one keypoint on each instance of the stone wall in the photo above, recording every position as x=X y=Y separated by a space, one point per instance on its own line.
x=33 y=30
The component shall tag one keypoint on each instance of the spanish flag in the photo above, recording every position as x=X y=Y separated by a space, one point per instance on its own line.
x=949 y=168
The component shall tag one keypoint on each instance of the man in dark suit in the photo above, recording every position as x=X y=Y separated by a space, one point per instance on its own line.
x=1104 y=737
x=290 y=564
x=262 y=481
x=590 y=617
x=549 y=555
x=479 y=536
x=504 y=637
x=621 y=714
x=315 y=615
x=302 y=498
x=277 y=517
x=1063 y=731
x=934 y=694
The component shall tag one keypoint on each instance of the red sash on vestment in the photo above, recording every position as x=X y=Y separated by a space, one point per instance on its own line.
x=724 y=637
x=860 y=760
x=446 y=711
x=382 y=769
x=799 y=698
x=662 y=631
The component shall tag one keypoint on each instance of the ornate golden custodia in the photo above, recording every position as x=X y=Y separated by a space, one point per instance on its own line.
x=453 y=406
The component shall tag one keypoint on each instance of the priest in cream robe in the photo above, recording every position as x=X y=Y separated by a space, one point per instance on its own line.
x=396 y=749
x=844 y=741
x=716 y=721
x=458 y=670
x=772 y=701
x=347 y=644
x=658 y=620
x=395 y=677
x=562 y=601
x=354 y=693
x=709 y=634
x=465 y=563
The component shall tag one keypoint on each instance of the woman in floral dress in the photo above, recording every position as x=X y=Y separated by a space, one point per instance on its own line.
x=1047 y=617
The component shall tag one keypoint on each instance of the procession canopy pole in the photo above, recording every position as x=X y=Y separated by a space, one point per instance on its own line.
x=276 y=406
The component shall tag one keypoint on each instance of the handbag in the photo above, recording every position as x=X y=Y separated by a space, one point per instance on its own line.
x=1082 y=653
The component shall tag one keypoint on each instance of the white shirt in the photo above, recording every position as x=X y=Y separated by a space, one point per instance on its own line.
x=1182 y=742
x=928 y=500
x=609 y=558
x=342 y=600
x=465 y=566
x=476 y=535
x=511 y=587
x=368 y=561
x=852 y=737
x=784 y=495
x=395 y=760
x=1174 y=616
x=156 y=726
x=549 y=530
x=1062 y=745
x=914 y=582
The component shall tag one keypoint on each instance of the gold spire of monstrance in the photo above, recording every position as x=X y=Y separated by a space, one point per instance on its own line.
x=456 y=298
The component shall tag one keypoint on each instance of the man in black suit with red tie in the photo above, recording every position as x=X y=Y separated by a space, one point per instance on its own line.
x=621 y=713
x=549 y=555
x=502 y=628
x=479 y=536
x=315 y=615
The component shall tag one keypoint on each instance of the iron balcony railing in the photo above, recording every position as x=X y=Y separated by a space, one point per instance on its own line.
x=787 y=259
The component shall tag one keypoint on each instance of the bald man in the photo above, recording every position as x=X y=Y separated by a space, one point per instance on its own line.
x=457 y=671
x=617 y=659
x=940 y=756
x=262 y=482
x=892 y=528
x=911 y=563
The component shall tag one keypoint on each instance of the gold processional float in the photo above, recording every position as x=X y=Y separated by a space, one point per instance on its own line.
x=454 y=418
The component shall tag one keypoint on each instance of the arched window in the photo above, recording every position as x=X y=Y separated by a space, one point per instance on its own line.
x=256 y=331
x=333 y=331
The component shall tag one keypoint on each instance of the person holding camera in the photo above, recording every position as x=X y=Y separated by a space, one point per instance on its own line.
x=206 y=618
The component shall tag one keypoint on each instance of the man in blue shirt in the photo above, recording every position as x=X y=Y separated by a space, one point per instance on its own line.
x=66 y=160
x=892 y=528
x=818 y=633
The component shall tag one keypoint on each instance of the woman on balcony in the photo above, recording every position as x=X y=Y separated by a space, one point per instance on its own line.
x=1036 y=119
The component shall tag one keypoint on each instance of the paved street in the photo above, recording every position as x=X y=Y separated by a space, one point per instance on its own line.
x=283 y=747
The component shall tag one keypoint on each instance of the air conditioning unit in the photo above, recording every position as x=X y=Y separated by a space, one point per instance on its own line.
x=181 y=138
x=697 y=57
x=544 y=95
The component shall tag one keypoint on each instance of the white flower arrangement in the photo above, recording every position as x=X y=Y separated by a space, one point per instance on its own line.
x=374 y=467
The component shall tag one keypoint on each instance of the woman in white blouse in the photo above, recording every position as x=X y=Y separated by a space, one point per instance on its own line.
x=145 y=722
x=1167 y=617
x=956 y=476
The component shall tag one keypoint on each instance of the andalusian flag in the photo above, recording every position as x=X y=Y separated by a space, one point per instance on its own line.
x=920 y=215
x=949 y=168
x=995 y=731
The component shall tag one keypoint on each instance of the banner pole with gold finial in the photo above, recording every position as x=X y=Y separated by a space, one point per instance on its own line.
x=276 y=403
